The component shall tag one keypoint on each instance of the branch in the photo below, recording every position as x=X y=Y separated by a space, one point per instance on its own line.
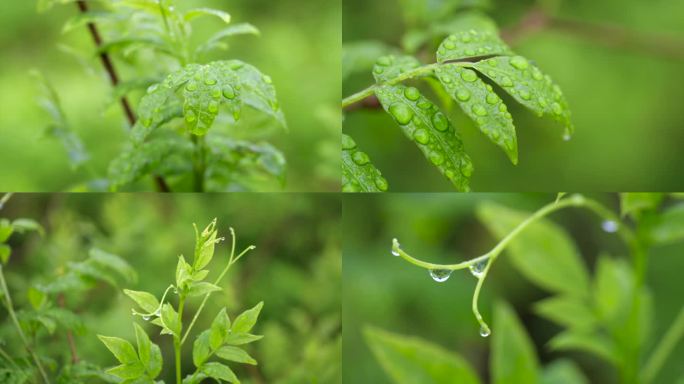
x=114 y=78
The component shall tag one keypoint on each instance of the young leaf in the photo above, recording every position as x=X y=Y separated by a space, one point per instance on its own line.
x=669 y=226
x=241 y=338
x=170 y=319
x=422 y=122
x=201 y=349
x=358 y=173
x=562 y=371
x=513 y=359
x=197 y=12
x=183 y=273
x=36 y=297
x=215 y=41
x=542 y=252
x=479 y=101
x=25 y=225
x=149 y=353
x=203 y=95
x=235 y=354
x=634 y=203
x=613 y=289
x=220 y=372
x=529 y=86
x=409 y=360
x=467 y=44
x=568 y=311
x=593 y=343
x=257 y=89
x=121 y=349
x=6 y=230
x=219 y=329
x=147 y=301
x=246 y=320
x=388 y=67
x=204 y=246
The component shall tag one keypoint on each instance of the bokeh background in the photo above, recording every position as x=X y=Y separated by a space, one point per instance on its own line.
x=295 y=269
x=299 y=48
x=386 y=292
x=622 y=86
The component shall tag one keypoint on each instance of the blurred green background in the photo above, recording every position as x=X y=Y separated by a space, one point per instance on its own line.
x=295 y=269
x=625 y=100
x=298 y=47
x=391 y=294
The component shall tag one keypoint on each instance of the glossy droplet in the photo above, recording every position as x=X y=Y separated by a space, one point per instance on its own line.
x=468 y=75
x=470 y=52
x=492 y=98
x=610 y=226
x=436 y=158
x=484 y=331
x=466 y=38
x=421 y=136
x=424 y=105
x=190 y=116
x=412 y=93
x=381 y=183
x=440 y=121
x=192 y=86
x=566 y=137
x=209 y=81
x=147 y=122
x=449 y=45
x=440 y=275
x=385 y=61
x=378 y=70
x=395 y=244
x=467 y=169
x=519 y=62
x=360 y=158
x=556 y=108
x=536 y=74
x=478 y=268
x=146 y=318
x=525 y=94
x=348 y=142
x=506 y=81
x=267 y=79
x=152 y=88
x=228 y=92
x=213 y=107
x=401 y=112
x=479 y=110
x=463 y=95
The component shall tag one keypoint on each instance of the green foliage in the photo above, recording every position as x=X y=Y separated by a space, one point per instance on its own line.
x=221 y=340
x=513 y=357
x=470 y=54
x=172 y=138
x=358 y=173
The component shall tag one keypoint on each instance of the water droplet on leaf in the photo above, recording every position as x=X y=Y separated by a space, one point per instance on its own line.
x=440 y=275
x=610 y=226
x=468 y=75
x=478 y=268
x=519 y=62
x=412 y=93
x=421 y=136
x=401 y=112
x=360 y=158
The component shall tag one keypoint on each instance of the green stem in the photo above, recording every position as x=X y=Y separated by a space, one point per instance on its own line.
x=15 y=321
x=199 y=162
x=420 y=71
x=4 y=199
x=218 y=280
x=666 y=345
x=7 y=357
x=177 y=340
x=573 y=201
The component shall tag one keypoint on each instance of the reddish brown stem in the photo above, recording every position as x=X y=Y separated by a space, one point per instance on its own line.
x=114 y=78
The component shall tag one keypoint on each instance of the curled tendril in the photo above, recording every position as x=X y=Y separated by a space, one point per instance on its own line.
x=157 y=311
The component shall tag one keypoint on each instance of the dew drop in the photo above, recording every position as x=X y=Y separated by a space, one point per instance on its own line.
x=209 y=81
x=401 y=112
x=348 y=142
x=525 y=94
x=492 y=98
x=466 y=38
x=463 y=95
x=440 y=121
x=190 y=116
x=228 y=92
x=381 y=183
x=449 y=45
x=350 y=187
x=479 y=110
x=440 y=275
x=484 y=331
x=468 y=75
x=213 y=107
x=412 y=93
x=519 y=62
x=567 y=137
x=610 y=226
x=192 y=86
x=395 y=244
x=470 y=52
x=506 y=81
x=478 y=268
x=360 y=158
x=421 y=136
x=146 y=318
x=385 y=61
x=267 y=79
x=378 y=70
x=436 y=158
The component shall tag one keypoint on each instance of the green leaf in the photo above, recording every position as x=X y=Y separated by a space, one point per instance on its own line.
x=220 y=372
x=360 y=56
x=246 y=320
x=159 y=105
x=669 y=226
x=634 y=203
x=121 y=349
x=479 y=102
x=241 y=338
x=529 y=86
x=422 y=122
x=257 y=90
x=542 y=252
x=358 y=173
x=6 y=230
x=513 y=358
x=112 y=263
x=5 y=252
x=593 y=343
x=235 y=354
x=201 y=349
x=84 y=18
x=388 y=67
x=144 y=345
x=409 y=360
x=147 y=301
x=215 y=41
x=219 y=329
x=26 y=225
x=562 y=371
x=128 y=371
x=36 y=297
x=205 y=243
x=198 y=12
x=170 y=319
x=613 y=289
x=468 y=44
x=203 y=95
x=183 y=273
x=464 y=20
x=568 y=311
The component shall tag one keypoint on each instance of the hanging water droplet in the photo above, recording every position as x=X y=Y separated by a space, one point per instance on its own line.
x=157 y=312
x=478 y=268
x=484 y=331
x=146 y=318
x=567 y=137
x=440 y=275
x=610 y=226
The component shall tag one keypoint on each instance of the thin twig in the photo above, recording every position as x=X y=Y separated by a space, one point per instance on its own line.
x=114 y=78
x=69 y=335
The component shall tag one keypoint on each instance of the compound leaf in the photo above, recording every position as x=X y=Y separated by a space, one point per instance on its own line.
x=529 y=86
x=513 y=359
x=358 y=173
x=409 y=360
x=472 y=43
x=389 y=67
x=422 y=122
x=479 y=101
